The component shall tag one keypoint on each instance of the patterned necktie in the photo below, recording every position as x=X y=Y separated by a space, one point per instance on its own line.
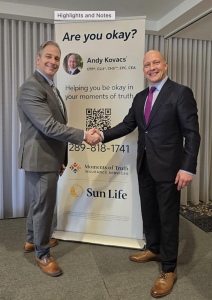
x=58 y=97
x=148 y=106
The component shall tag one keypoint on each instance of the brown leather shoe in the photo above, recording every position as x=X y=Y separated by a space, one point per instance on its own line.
x=164 y=284
x=49 y=266
x=28 y=247
x=145 y=256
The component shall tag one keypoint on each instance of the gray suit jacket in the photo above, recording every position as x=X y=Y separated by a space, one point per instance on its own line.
x=44 y=134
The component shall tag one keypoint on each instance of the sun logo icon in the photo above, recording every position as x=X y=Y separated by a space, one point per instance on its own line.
x=76 y=190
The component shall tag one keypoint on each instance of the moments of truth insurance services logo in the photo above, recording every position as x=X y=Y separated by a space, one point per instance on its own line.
x=75 y=168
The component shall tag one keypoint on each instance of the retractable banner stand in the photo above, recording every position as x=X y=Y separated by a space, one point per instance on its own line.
x=98 y=193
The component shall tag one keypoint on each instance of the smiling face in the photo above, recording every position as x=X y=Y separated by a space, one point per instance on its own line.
x=154 y=67
x=49 y=61
x=72 y=62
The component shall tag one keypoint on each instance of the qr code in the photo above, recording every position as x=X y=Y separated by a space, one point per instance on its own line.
x=98 y=118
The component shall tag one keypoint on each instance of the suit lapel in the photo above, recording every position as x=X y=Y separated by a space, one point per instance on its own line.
x=46 y=85
x=65 y=111
x=160 y=98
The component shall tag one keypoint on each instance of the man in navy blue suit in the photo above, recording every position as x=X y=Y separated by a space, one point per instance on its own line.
x=73 y=65
x=168 y=145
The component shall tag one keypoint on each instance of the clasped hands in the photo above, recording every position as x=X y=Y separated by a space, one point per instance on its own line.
x=93 y=137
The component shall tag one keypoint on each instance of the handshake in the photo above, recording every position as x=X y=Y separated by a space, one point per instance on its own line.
x=93 y=137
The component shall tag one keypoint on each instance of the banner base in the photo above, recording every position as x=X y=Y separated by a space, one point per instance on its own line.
x=99 y=239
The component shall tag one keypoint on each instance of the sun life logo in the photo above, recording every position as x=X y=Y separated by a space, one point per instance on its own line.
x=76 y=190
x=75 y=168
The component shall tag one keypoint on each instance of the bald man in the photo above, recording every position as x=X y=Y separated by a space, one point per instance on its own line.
x=168 y=144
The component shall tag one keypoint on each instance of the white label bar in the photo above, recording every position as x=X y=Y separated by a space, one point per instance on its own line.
x=84 y=15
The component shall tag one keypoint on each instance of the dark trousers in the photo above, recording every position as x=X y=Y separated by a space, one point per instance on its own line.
x=160 y=204
x=43 y=191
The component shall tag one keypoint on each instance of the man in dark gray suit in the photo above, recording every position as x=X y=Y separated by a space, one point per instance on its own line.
x=43 y=150
x=168 y=144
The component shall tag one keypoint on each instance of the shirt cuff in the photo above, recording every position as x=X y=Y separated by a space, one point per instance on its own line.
x=187 y=172
x=102 y=135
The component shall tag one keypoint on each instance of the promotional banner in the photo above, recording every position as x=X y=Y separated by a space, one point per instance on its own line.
x=100 y=73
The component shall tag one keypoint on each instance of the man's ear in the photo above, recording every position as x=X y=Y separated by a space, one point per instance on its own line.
x=38 y=59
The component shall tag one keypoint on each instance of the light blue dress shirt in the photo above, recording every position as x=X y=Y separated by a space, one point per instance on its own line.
x=49 y=80
x=158 y=87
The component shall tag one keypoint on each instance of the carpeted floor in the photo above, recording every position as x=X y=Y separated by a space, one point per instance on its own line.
x=95 y=272
x=200 y=215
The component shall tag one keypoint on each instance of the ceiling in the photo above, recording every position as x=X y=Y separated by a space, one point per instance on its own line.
x=180 y=18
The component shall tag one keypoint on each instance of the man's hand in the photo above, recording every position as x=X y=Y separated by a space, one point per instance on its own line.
x=92 y=138
x=183 y=179
x=94 y=130
x=62 y=170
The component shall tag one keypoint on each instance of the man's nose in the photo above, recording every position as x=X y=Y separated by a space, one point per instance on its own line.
x=152 y=66
x=53 y=60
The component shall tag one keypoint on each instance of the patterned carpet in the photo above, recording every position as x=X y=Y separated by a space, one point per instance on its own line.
x=200 y=215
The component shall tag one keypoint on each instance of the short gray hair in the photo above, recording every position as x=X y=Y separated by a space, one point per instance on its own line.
x=47 y=43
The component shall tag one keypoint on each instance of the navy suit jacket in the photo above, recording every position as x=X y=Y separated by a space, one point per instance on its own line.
x=75 y=72
x=171 y=138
